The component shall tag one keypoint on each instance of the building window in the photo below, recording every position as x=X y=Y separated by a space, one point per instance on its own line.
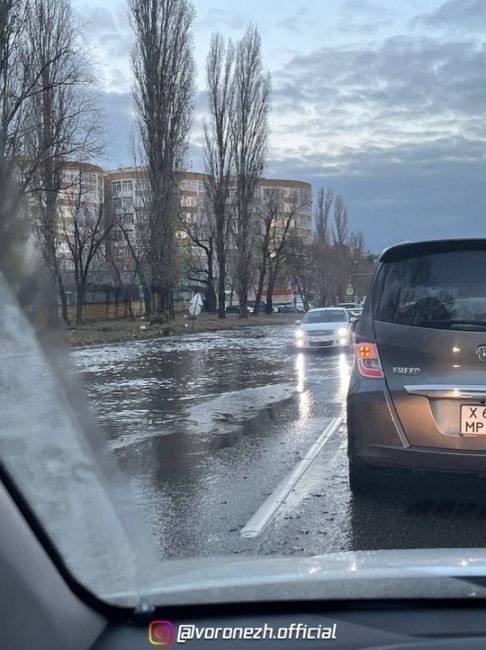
x=116 y=186
x=90 y=197
x=127 y=218
x=127 y=201
x=127 y=186
x=190 y=186
x=88 y=179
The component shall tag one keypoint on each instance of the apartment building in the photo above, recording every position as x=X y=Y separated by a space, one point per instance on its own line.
x=121 y=196
x=125 y=198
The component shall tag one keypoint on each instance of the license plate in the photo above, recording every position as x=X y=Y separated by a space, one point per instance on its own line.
x=473 y=420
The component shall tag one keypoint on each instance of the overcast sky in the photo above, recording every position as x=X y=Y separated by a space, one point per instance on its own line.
x=384 y=102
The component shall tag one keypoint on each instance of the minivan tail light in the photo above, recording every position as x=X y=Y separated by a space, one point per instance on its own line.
x=368 y=360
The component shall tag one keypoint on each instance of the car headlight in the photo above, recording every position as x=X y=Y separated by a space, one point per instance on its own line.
x=342 y=331
x=299 y=334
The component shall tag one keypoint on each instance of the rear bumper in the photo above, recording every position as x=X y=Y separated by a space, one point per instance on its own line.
x=374 y=437
x=425 y=459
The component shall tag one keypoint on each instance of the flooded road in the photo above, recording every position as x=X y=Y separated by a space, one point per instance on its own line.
x=207 y=426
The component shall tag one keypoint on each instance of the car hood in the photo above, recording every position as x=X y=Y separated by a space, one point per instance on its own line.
x=311 y=327
x=391 y=574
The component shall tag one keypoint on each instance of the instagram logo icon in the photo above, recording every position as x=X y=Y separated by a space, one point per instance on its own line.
x=161 y=632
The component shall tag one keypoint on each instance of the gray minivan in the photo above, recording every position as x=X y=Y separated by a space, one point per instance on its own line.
x=417 y=393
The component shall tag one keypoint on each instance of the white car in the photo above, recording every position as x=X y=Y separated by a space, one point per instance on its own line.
x=327 y=327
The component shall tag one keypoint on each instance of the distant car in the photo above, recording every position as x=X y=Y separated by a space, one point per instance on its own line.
x=289 y=308
x=354 y=308
x=250 y=305
x=325 y=327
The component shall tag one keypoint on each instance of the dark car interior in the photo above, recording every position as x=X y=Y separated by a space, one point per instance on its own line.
x=43 y=607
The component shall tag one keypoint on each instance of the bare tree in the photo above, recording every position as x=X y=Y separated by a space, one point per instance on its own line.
x=341 y=231
x=83 y=231
x=14 y=230
x=325 y=200
x=201 y=231
x=63 y=119
x=129 y=243
x=277 y=212
x=123 y=283
x=300 y=268
x=23 y=64
x=323 y=244
x=340 y=244
x=357 y=242
x=269 y=213
x=279 y=233
x=163 y=68
x=15 y=78
x=138 y=259
x=249 y=143
x=218 y=150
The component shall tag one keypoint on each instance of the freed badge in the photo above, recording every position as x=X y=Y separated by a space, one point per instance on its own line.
x=398 y=370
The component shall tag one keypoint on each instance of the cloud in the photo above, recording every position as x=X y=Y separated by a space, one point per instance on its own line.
x=97 y=20
x=398 y=127
x=360 y=16
x=299 y=22
x=353 y=16
x=414 y=192
x=404 y=84
x=455 y=16
x=118 y=112
x=223 y=17
x=109 y=39
x=116 y=44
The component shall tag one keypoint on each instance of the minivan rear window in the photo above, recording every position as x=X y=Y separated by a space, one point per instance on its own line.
x=442 y=290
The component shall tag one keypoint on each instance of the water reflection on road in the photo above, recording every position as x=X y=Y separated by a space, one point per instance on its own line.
x=207 y=425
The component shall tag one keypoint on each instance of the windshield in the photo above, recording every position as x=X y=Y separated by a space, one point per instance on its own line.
x=326 y=316
x=223 y=339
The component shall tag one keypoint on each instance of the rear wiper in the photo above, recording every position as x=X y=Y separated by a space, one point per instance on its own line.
x=453 y=323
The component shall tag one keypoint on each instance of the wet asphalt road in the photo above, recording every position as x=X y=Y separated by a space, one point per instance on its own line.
x=206 y=426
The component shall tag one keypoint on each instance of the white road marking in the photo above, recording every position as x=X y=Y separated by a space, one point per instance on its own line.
x=258 y=522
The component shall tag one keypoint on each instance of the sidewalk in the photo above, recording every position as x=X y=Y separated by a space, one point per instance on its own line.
x=113 y=331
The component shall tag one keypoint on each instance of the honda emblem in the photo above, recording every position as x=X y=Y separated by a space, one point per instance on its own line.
x=481 y=352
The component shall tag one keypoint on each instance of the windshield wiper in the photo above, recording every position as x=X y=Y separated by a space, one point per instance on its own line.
x=452 y=324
